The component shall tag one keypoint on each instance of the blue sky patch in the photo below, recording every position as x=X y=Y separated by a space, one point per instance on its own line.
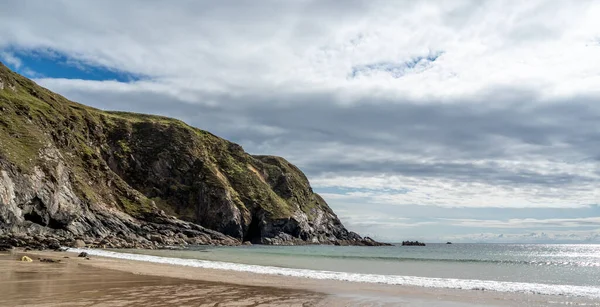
x=52 y=64
x=396 y=69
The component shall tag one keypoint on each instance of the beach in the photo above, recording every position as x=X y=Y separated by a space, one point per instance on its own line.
x=102 y=281
x=78 y=281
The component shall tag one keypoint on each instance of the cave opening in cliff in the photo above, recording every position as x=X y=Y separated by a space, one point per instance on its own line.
x=43 y=220
x=253 y=234
x=34 y=211
x=34 y=217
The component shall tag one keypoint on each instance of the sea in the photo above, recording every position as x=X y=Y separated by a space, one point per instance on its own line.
x=547 y=269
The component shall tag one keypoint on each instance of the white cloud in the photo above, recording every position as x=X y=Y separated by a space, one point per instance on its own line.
x=302 y=46
x=10 y=58
x=377 y=220
x=438 y=190
x=528 y=223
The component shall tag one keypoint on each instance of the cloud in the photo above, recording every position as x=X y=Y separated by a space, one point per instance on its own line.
x=302 y=46
x=374 y=220
x=10 y=58
x=396 y=70
x=470 y=224
x=528 y=223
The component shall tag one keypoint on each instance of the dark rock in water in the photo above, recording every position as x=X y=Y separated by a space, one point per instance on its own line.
x=83 y=255
x=412 y=243
x=448 y=242
x=72 y=175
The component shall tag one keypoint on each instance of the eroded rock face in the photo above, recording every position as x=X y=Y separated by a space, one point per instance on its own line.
x=42 y=210
x=72 y=174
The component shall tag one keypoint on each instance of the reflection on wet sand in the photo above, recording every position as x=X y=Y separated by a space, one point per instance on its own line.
x=72 y=283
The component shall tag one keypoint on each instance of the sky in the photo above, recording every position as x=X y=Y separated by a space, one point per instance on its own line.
x=463 y=121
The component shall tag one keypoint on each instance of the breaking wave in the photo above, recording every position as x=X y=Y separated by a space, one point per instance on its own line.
x=448 y=283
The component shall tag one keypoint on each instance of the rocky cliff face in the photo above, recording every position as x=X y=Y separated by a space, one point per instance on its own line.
x=70 y=173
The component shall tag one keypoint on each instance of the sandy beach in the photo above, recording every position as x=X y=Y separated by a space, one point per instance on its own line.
x=103 y=281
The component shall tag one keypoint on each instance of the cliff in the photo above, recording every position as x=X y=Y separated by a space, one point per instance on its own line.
x=71 y=173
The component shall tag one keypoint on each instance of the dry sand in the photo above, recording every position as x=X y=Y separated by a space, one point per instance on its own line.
x=115 y=282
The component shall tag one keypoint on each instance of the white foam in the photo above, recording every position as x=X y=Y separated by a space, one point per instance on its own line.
x=449 y=283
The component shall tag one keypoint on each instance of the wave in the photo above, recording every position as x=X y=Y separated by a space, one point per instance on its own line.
x=505 y=261
x=493 y=261
x=430 y=282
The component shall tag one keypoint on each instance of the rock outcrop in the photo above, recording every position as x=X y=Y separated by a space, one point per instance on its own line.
x=74 y=175
x=412 y=243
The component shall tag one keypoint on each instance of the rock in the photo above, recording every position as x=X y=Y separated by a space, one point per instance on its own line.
x=4 y=247
x=156 y=238
x=49 y=260
x=78 y=244
x=247 y=243
x=412 y=243
x=26 y=259
x=54 y=244
x=83 y=255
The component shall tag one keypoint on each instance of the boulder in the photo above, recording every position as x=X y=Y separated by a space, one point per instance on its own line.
x=26 y=259
x=78 y=244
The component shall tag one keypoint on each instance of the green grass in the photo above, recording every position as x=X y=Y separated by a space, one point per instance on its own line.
x=124 y=146
x=135 y=208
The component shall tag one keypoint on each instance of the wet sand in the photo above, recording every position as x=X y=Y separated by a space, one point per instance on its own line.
x=115 y=282
x=74 y=282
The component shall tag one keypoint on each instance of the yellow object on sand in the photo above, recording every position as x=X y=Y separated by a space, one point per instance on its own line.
x=26 y=259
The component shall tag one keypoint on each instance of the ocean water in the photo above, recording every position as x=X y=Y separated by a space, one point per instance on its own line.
x=552 y=269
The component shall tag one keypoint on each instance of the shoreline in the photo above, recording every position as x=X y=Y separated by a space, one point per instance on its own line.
x=299 y=291
x=74 y=282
